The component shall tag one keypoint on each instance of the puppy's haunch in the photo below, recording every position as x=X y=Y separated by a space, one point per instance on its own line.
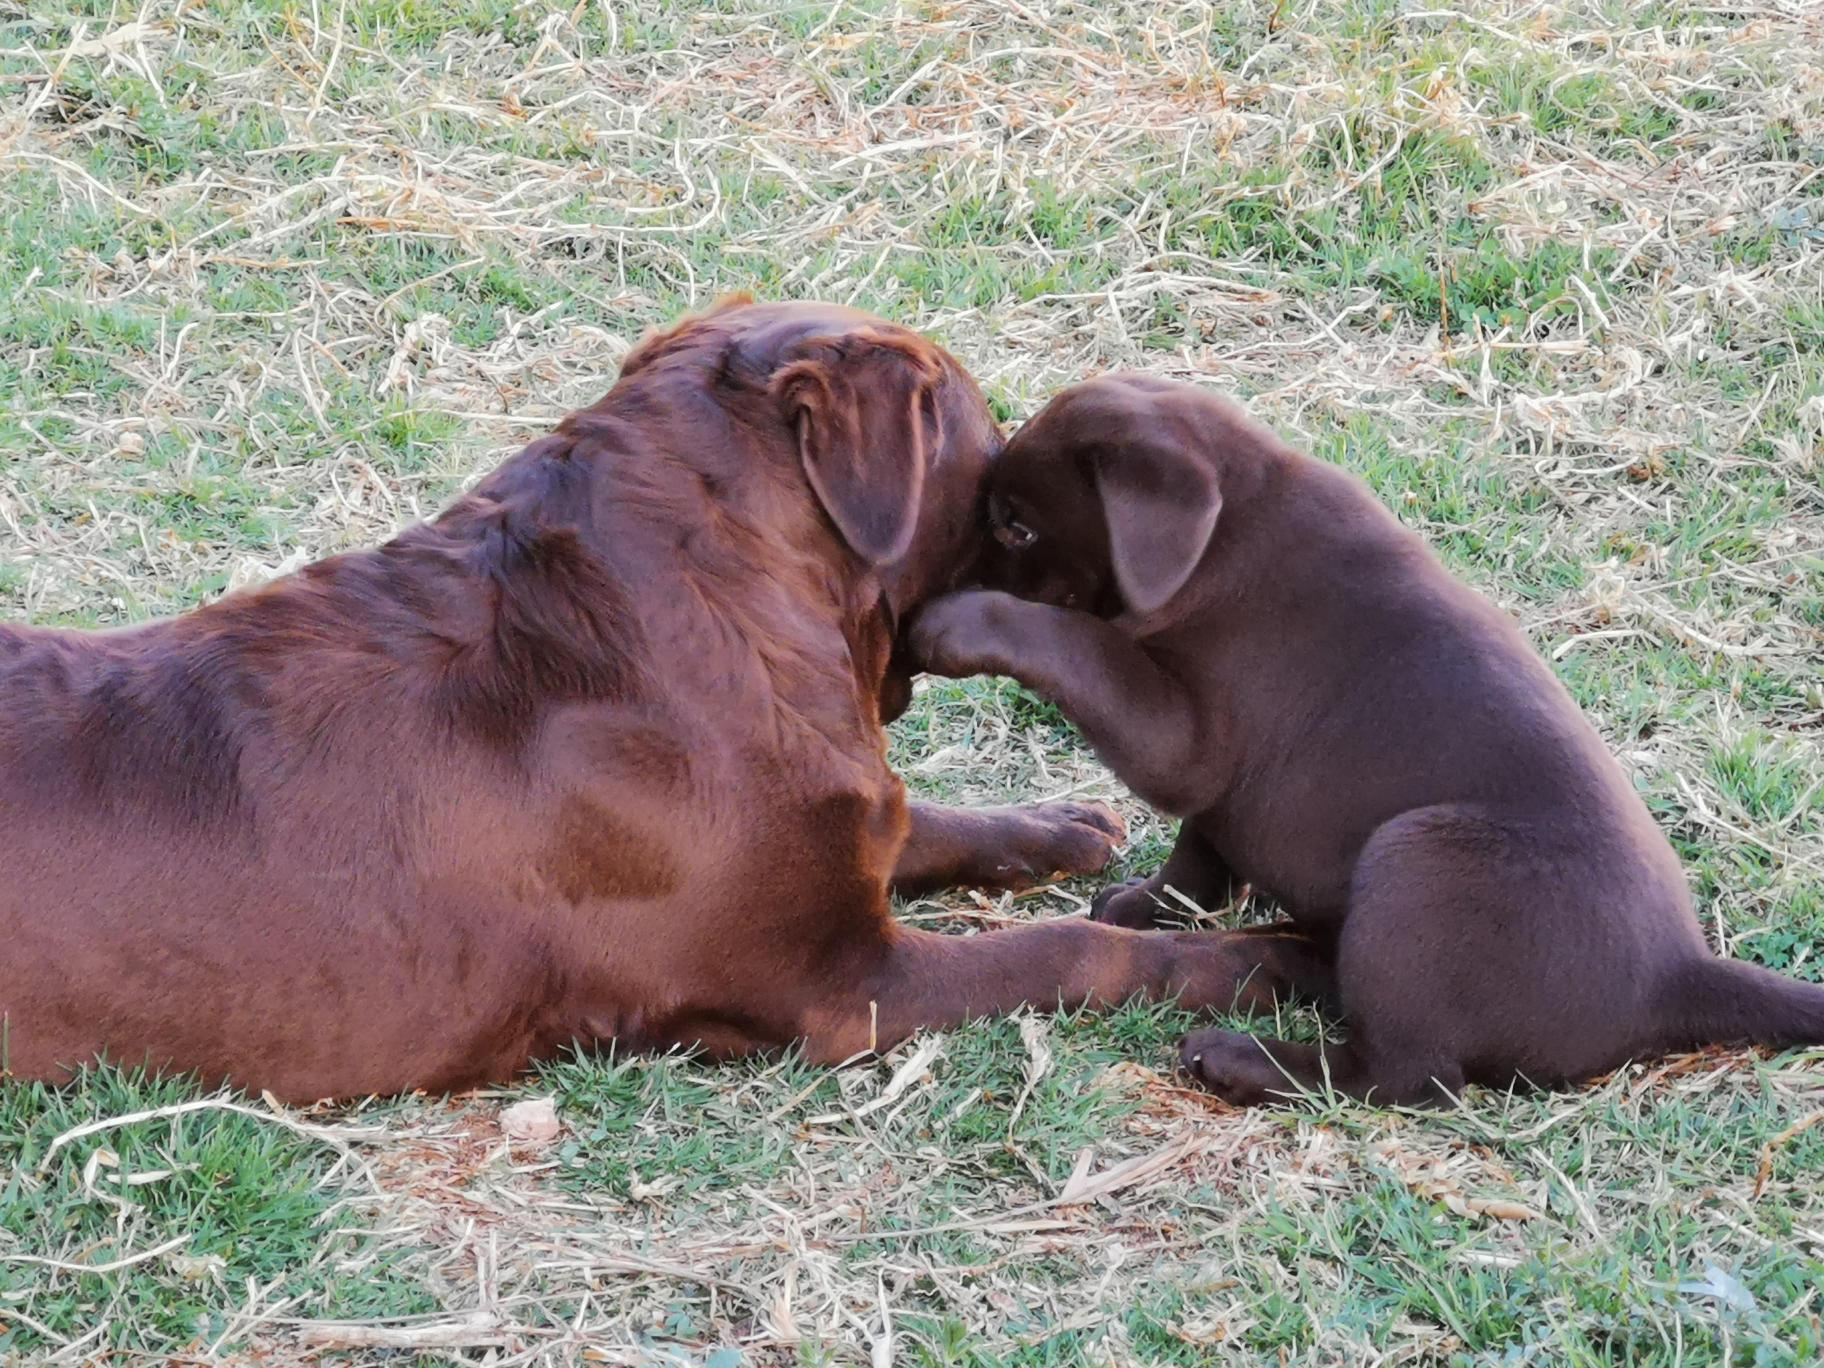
x=1252 y=642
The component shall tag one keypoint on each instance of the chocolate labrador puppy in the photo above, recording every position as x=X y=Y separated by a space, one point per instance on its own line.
x=1250 y=640
x=594 y=755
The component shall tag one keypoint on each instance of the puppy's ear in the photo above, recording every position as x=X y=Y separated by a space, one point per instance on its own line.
x=860 y=404
x=1160 y=502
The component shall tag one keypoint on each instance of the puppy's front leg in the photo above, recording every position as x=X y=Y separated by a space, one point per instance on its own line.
x=1194 y=868
x=1141 y=721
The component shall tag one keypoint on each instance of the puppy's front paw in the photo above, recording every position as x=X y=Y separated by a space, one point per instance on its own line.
x=962 y=634
x=1130 y=904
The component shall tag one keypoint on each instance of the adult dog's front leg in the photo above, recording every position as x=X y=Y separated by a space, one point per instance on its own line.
x=1004 y=847
x=1141 y=721
x=924 y=980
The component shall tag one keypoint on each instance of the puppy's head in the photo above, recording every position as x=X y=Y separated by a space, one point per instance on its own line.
x=1107 y=499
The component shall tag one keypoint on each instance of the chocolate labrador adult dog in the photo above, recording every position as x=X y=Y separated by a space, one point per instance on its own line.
x=596 y=754
x=1251 y=641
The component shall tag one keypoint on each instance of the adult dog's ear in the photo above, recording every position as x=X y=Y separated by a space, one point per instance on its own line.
x=1160 y=501
x=861 y=406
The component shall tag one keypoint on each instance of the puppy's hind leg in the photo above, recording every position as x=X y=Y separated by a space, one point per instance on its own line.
x=1247 y=1070
x=1390 y=1059
x=1430 y=959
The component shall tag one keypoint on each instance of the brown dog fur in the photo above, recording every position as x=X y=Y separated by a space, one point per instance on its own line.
x=1251 y=641
x=596 y=754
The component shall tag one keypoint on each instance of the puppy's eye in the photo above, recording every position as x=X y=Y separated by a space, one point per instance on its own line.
x=1015 y=536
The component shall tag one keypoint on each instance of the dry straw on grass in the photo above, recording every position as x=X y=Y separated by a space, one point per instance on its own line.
x=286 y=276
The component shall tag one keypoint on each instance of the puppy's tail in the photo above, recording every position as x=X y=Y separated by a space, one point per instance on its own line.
x=1728 y=1002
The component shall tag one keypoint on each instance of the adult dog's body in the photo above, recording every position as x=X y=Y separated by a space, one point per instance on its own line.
x=595 y=754
x=1265 y=650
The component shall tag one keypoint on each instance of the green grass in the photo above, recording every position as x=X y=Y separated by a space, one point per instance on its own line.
x=244 y=1199
x=277 y=278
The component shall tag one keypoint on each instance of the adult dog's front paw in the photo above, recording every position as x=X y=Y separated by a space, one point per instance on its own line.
x=963 y=634
x=1063 y=839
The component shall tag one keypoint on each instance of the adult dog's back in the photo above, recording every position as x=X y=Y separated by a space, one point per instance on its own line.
x=293 y=837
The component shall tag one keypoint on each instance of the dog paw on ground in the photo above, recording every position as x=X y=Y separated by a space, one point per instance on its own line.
x=1233 y=1066
x=1129 y=903
x=1063 y=839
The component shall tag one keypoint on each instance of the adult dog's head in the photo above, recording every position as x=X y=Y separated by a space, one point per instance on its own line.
x=799 y=440
x=889 y=431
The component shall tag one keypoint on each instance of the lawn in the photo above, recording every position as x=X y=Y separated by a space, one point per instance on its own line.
x=277 y=277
